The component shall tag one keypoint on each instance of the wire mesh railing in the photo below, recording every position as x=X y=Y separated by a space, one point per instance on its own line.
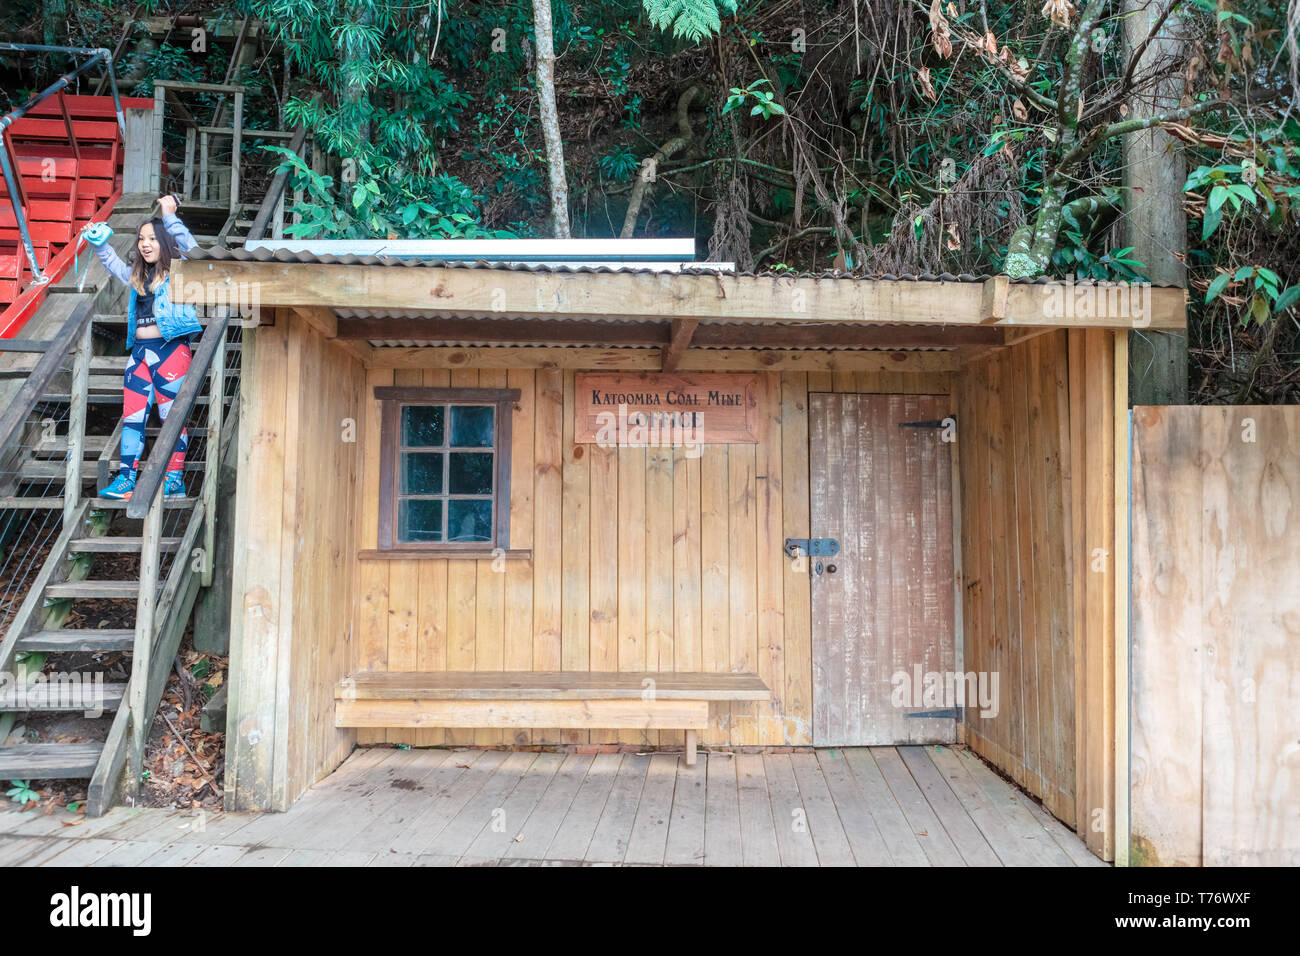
x=27 y=533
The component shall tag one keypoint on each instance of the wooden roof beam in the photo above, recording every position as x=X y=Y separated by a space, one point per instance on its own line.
x=326 y=322
x=508 y=293
x=679 y=342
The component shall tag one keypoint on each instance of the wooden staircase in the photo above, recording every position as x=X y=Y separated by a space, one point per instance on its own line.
x=142 y=572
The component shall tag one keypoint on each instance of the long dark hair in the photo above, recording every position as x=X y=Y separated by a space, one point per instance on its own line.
x=162 y=268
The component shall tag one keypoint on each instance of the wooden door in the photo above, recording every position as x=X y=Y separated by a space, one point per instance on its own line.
x=883 y=623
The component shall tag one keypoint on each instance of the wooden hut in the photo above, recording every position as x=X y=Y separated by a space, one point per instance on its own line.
x=884 y=492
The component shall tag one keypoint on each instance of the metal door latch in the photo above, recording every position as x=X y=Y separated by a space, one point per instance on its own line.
x=812 y=547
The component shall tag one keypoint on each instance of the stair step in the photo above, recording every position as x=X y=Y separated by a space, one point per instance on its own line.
x=115 y=504
x=101 y=366
x=57 y=447
x=54 y=470
x=28 y=502
x=101 y=395
x=79 y=639
x=93 y=445
x=118 y=545
x=93 y=589
x=62 y=697
x=49 y=761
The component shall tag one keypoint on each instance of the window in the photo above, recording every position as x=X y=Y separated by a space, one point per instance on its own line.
x=444 y=474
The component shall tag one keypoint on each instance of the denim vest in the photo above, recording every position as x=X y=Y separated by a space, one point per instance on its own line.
x=174 y=319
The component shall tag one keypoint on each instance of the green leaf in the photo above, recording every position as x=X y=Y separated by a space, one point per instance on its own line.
x=1243 y=273
x=1212 y=218
x=1217 y=196
x=1287 y=299
x=1259 y=308
x=1218 y=285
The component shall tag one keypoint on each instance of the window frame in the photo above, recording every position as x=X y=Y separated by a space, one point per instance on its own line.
x=391 y=401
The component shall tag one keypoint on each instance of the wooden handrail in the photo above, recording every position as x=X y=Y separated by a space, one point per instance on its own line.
x=277 y=187
x=148 y=483
x=15 y=415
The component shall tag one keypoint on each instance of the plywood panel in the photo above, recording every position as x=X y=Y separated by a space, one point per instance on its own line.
x=1166 y=644
x=1216 y=636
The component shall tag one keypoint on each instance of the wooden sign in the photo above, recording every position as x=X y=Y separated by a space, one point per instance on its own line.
x=658 y=409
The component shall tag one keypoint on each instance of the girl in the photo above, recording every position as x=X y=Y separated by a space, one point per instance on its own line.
x=158 y=333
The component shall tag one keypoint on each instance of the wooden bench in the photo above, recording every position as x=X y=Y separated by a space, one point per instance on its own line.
x=581 y=700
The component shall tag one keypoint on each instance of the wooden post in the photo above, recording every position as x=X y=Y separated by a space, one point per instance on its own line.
x=76 y=426
x=212 y=465
x=146 y=603
x=188 y=193
x=203 y=167
x=156 y=148
x=235 y=145
x=1122 y=647
x=691 y=740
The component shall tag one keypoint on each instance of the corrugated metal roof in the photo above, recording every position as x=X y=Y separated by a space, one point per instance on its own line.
x=219 y=253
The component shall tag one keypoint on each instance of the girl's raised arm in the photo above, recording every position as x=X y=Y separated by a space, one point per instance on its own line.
x=113 y=262
x=179 y=232
x=175 y=228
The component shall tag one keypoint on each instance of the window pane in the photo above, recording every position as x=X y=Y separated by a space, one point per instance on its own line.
x=419 y=520
x=469 y=521
x=422 y=425
x=471 y=426
x=470 y=473
x=422 y=473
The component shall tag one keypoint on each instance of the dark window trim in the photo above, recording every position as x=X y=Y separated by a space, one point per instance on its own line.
x=391 y=399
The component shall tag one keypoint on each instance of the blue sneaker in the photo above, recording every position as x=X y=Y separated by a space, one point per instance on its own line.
x=121 y=486
x=174 y=485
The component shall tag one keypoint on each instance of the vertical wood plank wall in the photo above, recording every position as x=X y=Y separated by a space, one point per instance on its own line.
x=1037 y=429
x=1216 y=636
x=642 y=559
x=295 y=567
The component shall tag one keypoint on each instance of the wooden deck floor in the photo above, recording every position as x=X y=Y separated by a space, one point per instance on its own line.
x=883 y=806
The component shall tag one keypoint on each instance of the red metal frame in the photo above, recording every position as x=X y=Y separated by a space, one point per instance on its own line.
x=96 y=185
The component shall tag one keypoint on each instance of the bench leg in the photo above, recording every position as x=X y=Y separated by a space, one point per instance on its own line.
x=690 y=748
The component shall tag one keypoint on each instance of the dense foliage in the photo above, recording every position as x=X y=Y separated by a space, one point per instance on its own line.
x=895 y=136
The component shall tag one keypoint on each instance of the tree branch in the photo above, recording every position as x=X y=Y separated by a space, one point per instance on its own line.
x=645 y=176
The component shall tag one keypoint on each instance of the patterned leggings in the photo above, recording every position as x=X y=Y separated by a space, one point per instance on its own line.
x=156 y=367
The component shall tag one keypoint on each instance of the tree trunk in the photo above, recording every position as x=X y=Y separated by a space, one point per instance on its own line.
x=1156 y=223
x=551 y=117
x=55 y=32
